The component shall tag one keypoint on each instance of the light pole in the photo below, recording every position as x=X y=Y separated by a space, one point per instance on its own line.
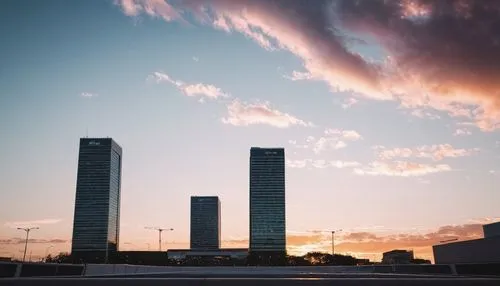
x=160 y=230
x=27 y=229
x=333 y=241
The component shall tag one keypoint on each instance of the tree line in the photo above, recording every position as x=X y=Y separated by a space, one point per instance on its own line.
x=157 y=258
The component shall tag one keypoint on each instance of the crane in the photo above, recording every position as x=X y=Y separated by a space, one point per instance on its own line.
x=160 y=230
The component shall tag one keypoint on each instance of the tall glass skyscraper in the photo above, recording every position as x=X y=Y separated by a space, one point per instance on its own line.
x=267 y=200
x=96 y=224
x=205 y=223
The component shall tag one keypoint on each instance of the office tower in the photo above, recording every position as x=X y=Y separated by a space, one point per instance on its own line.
x=267 y=200
x=96 y=224
x=205 y=223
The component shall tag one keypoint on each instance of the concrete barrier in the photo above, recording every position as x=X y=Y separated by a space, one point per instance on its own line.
x=11 y=269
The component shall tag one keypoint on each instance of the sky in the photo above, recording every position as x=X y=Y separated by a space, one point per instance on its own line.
x=389 y=113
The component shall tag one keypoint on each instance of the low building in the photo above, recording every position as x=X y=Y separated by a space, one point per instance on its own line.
x=397 y=256
x=234 y=253
x=491 y=230
x=484 y=250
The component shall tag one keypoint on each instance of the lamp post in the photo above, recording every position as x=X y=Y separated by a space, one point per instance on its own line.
x=333 y=241
x=160 y=230
x=27 y=230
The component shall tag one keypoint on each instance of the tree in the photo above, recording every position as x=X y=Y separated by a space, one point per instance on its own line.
x=297 y=261
x=62 y=257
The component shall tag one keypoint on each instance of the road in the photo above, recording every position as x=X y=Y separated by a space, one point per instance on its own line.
x=345 y=281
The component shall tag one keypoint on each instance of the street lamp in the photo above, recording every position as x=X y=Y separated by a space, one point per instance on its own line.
x=333 y=241
x=27 y=229
x=160 y=230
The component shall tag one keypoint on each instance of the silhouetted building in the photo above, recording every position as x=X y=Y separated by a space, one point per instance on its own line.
x=238 y=253
x=205 y=223
x=267 y=201
x=96 y=224
x=491 y=230
x=397 y=257
x=484 y=250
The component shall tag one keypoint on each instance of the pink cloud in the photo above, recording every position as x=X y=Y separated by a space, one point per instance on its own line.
x=435 y=152
x=245 y=114
x=442 y=56
x=400 y=169
x=321 y=164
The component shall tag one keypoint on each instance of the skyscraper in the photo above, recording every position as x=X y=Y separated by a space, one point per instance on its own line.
x=96 y=224
x=267 y=201
x=205 y=223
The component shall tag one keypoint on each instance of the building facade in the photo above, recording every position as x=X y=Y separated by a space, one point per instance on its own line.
x=96 y=224
x=205 y=223
x=267 y=200
x=491 y=230
x=484 y=250
x=397 y=256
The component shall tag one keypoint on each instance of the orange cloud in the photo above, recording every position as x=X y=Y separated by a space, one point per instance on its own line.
x=362 y=244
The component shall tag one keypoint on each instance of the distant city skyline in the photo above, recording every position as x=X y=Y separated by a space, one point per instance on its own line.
x=398 y=148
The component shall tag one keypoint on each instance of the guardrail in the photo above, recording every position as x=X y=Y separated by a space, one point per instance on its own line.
x=9 y=269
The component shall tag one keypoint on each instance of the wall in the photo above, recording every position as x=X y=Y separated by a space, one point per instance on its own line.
x=472 y=251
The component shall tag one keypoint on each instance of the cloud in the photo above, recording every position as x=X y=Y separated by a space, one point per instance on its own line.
x=334 y=139
x=350 y=135
x=349 y=102
x=196 y=59
x=155 y=8
x=321 y=164
x=18 y=240
x=15 y=224
x=88 y=94
x=371 y=242
x=441 y=55
x=296 y=75
x=197 y=89
x=245 y=114
x=435 y=152
x=400 y=169
x=462 y=132
x=297 y=163
x=420 y=113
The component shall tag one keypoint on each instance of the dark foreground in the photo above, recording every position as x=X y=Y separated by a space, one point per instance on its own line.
x=253 y=281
